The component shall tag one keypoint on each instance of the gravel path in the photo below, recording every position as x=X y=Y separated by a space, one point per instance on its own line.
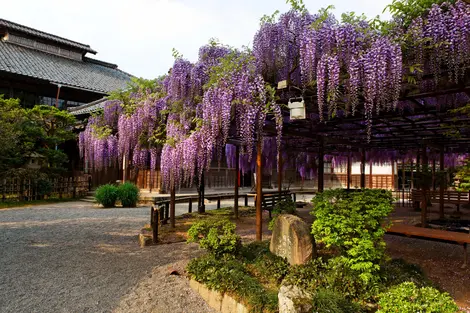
x=72 y=257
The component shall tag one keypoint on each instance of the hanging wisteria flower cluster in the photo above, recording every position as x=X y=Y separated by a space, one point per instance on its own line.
x=183 y=123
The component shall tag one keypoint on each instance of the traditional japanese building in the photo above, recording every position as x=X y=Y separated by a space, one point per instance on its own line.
x=41 y=68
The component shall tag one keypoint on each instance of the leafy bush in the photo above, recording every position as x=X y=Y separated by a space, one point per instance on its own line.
x=44 y=187
x=107 y=195
x=398 y=271
x=408 y=298
x=328 y=301
x=128 y=193
x=353 y=223
x=283 y=207
x=254 y=250
x=217 y=237
x=272 y=267
x=330 y=274
x=231 y=276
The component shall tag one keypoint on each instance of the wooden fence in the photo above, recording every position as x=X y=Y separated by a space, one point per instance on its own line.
x=27 y=190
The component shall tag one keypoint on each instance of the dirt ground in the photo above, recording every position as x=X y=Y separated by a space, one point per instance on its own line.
x=442 y=262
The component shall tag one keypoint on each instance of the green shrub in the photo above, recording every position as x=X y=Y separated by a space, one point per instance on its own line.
x=106 y=195
x=329 y=301
x=231 y=276
x=44 y=187
x=398 y=271
x=217 y=237
x=333 y=275
x=128 y=193
x=272 y=267
x=407 y=298
x=353 y=223
x=254 y=250
x=283 y=207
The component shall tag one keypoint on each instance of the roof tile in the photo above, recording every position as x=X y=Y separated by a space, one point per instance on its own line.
x=80 y=74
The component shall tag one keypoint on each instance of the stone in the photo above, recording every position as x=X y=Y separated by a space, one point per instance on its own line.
x=291 y=239
x=292 y=299
x=230 y=305
x=220 y=302
x=145 y=240
x=215 y=300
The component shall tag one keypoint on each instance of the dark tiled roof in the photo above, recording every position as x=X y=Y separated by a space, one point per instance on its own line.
x=89 y=107
x=37 y=33
x=88 y=74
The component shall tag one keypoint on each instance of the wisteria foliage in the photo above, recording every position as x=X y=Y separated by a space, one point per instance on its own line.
x=183 y=124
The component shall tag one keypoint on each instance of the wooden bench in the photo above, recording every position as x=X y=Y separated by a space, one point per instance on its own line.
x=450 y=197
x=432 y=234
x=270 y=199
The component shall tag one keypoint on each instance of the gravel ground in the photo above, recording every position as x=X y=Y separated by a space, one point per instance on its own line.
x=73 y=257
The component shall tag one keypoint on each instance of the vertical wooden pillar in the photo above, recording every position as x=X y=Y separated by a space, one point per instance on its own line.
x=418 y=166
x=279 y=174
x=321 y=167
x=442 y=183
x=349 y=172
x=363 y=168
x=370 y=175
x=124 y=169
x=259 y=193
x=172 y=206
x=202 y=207
x=424 y=202
x=412 y=182
x=403 y=179
x=237 y=170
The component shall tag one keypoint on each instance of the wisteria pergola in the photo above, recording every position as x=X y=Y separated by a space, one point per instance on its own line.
x=370 y=94
x=423 y=124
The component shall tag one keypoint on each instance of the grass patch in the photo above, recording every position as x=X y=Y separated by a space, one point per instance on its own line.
x=167 y=234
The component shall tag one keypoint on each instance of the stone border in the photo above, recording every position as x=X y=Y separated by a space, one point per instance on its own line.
x=221 y=302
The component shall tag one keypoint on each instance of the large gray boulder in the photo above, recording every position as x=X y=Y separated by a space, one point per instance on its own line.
x=292 y=299
x=291 y=239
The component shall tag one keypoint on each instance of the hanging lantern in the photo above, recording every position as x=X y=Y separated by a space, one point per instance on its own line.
x=297 y=108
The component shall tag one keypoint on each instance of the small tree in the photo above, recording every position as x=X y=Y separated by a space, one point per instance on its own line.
x=217 y=237
x=353 y=223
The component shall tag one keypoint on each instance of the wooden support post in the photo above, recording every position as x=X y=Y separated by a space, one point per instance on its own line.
x=403 y=179
x=442 y=184
x=246 y=200
x=218 y=202
x=424 y=202
x=190 y=205
x=370 y=175
x=279 y=174
x=166 y=213
x=124 y=169
x=259 y=193
x=155 y=220
x=321 y=167
x=202 y=206
x=172 y=206
x=418 y=165
x=349 y=172
x=237 y=170
x=363 y=168
x=412 y=182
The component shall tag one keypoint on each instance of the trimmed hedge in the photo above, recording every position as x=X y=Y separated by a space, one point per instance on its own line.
x=106 y=195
